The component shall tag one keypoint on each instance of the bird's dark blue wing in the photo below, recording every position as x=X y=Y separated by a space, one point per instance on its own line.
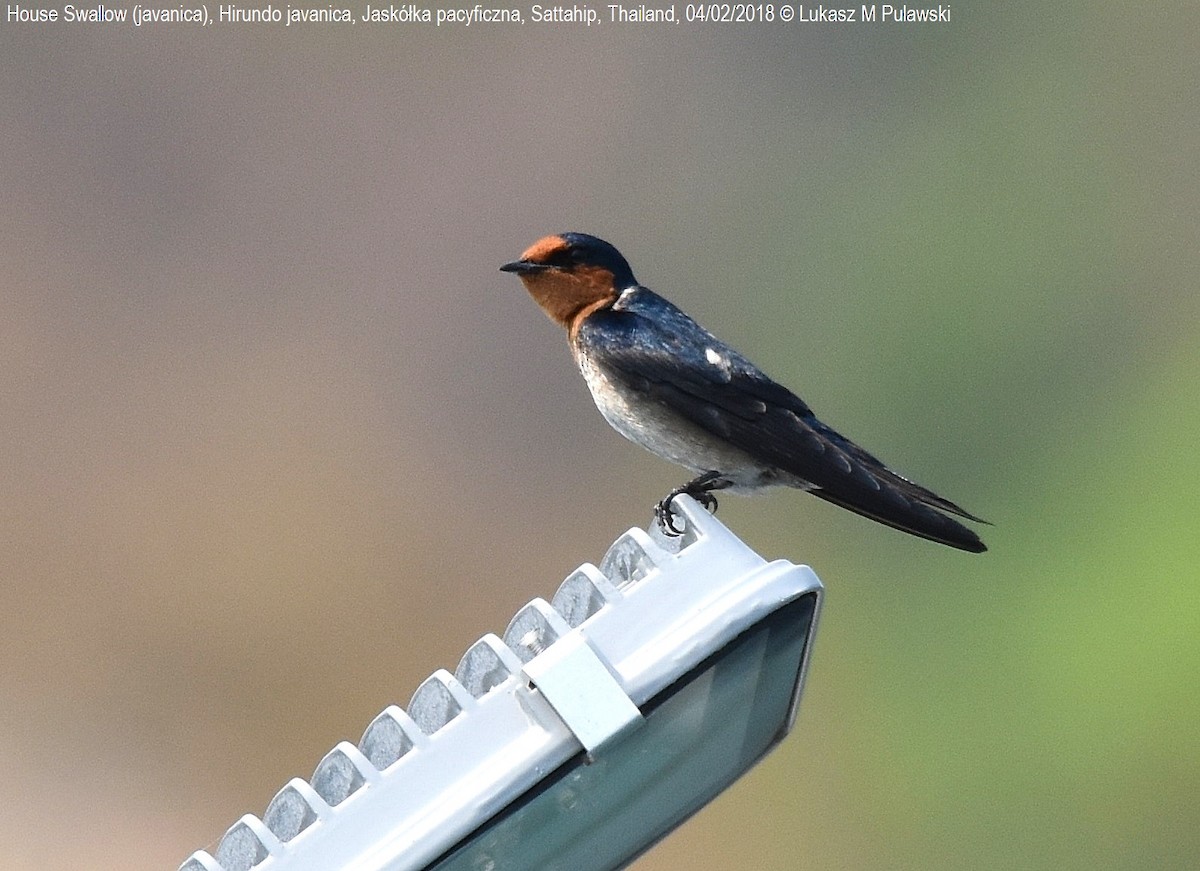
x=653 y=348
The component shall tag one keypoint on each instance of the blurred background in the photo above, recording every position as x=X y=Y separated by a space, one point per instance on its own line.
x=278 y=440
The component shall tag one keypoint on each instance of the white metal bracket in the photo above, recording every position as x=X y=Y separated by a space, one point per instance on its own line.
x=583 y=691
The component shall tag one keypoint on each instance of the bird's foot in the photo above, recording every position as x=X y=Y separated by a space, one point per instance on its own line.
x=699 y=489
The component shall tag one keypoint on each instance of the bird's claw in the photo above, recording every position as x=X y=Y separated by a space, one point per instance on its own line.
x=700 y=489
x=666 y=518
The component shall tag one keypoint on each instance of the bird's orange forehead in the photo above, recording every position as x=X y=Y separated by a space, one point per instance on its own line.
x=543 y=249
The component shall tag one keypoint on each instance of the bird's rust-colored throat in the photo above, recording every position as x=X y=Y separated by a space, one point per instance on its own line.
x=568 y=297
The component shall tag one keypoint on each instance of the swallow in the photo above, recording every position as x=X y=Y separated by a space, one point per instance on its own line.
x=667 y=384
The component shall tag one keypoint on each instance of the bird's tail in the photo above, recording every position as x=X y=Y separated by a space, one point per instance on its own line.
x=875 y=491
x=915 y=517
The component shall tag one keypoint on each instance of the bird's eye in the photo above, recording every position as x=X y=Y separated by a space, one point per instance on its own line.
x=564 y=258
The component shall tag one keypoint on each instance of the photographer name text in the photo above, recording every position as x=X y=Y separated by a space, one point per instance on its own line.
x=477 y=15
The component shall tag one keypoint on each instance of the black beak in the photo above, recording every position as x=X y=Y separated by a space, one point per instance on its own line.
x=524 y=267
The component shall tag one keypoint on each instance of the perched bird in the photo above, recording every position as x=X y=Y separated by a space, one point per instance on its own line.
x=664 y=382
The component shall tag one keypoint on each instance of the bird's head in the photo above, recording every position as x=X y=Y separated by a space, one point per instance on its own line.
x=570 y=275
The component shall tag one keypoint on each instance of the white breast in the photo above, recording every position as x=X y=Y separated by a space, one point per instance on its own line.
x=665 y=433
